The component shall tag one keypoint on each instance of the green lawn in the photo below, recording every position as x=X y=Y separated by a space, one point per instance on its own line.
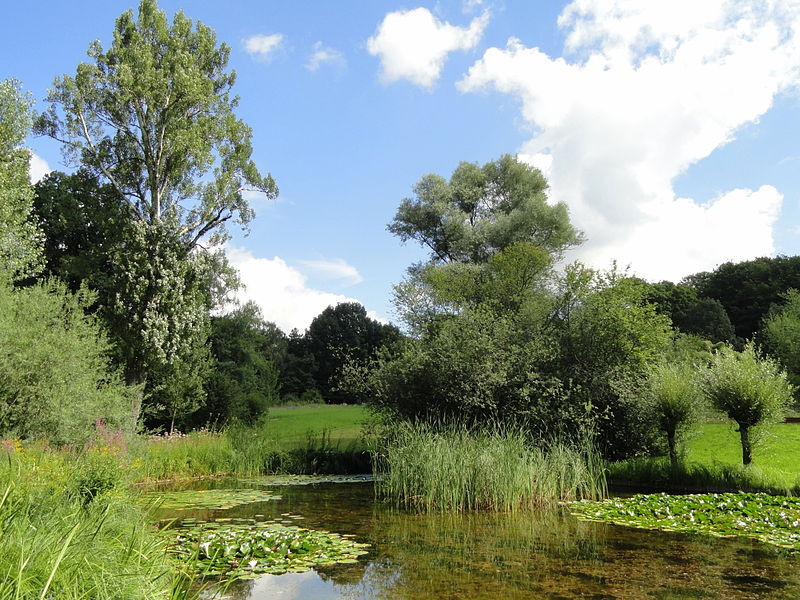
x=717 y=442
x=292 y=424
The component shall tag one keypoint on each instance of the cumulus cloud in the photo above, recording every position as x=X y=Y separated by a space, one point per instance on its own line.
x=414 y=44
x=322 y=55
x=38 y=168
x=264 y=46
x=644 y=91
x=280 y=290
x=337 y=269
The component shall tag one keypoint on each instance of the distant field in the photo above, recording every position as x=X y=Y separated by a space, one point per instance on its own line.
x=292 y=424
x=716 y=442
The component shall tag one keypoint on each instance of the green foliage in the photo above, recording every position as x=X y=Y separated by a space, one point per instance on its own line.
x=154 y=116
x=781 y=334
x=770 y=519
x=749 y=388
x=244 y=380
x=20 y=240
x=482 y=210
x=55 y=381
x=245 y=551
x=54 y=545
x=456 y=468
x=690 y=313
x=676 y=401
x=83 y=222
x=748 y=289
x=338 y=334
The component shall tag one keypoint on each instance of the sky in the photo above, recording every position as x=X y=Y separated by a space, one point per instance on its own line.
x=670 y=129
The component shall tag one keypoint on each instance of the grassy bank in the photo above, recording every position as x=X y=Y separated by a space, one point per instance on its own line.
x=454 y=469
x=713 y=462
x=70 y=530
x=321 y=439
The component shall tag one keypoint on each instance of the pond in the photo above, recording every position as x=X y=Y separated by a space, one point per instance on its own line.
x=548 y=554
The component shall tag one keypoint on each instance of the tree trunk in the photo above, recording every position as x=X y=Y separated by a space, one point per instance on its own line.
x=673 y=454
x=744 y=433
x=137 y=381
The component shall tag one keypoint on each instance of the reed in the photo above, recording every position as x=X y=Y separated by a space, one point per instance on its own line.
x=56 y=544
x=453 y=468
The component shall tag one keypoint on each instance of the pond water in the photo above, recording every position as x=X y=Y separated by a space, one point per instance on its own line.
x=480 y=556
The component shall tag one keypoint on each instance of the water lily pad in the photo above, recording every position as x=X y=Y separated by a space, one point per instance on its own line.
x=275 y=480
x=206 y=499
x=771 y=519
x=245 y=551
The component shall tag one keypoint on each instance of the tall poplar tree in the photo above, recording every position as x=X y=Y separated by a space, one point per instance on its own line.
x=154 y=116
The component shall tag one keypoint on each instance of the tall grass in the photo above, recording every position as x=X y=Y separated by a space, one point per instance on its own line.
x=453 y=469
x=57 y=542
x=245 y=451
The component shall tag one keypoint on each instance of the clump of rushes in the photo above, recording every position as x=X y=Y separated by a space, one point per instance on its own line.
x=453 y=469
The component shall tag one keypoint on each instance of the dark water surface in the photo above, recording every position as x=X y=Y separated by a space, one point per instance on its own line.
x=504 y=556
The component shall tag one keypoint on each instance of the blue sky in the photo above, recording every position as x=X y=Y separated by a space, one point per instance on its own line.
x=672 y=130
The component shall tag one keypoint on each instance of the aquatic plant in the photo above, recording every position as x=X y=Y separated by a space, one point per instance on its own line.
x=455 y=468
x=244 y=551
x=218 y=499
x=771 y=519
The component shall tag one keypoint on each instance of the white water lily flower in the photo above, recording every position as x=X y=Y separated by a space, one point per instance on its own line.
x=204 y=547
x=252 y=564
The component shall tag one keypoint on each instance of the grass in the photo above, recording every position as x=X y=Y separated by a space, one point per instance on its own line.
x=58 y=541
x=290 y=425
x=455 y=469
x=310 y=439
x=713 y=462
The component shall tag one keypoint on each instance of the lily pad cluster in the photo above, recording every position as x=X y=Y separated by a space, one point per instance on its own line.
x=245 y=551
x=207 y=499
x=275 y=480
x=771 y=519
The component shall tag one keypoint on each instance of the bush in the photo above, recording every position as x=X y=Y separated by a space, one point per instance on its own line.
x=55 y=381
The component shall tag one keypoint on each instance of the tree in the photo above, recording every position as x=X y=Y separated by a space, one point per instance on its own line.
x=747 y=289
x=482 y=210
x=244 y=379
x=341 y=333
x=781 y=334
x=690 y=313
x=54 y=377
x=676 y=401
x=83 y=222
x=19 y=237
x=154 y=116
x=749 y=388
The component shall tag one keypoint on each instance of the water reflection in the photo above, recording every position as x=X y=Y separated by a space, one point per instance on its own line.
x=548 y=554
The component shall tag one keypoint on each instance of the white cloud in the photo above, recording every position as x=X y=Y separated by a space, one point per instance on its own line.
x=470 y=6
x=38 y=168
x=337 y=269
x=647 y=89
x=414 y=44
x=264 y=46
x=324 y=55
x=280 y=290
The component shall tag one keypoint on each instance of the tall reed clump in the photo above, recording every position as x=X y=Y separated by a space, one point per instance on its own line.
x=62 y=540
x=453 y=469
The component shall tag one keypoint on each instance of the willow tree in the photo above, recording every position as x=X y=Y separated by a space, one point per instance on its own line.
x=154 y=116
